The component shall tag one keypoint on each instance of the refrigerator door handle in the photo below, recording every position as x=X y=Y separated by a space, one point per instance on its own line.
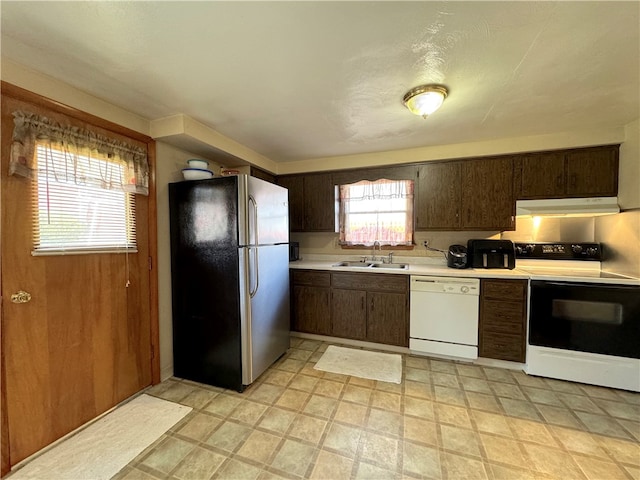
x=253 y=291
x=254 y=228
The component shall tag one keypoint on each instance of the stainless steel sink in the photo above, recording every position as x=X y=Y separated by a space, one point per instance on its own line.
x=353 y=264
x=397 y=266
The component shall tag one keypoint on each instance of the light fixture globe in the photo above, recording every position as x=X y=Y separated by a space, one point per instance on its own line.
x=425 y=99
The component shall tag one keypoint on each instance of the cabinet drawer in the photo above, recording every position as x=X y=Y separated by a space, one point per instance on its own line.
x=506 y=317
x=502 y=346
x=311 y=277
x=504 y=289
x=370 y=282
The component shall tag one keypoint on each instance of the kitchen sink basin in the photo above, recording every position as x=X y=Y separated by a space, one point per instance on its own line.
x=353 y=264
x=397 y=266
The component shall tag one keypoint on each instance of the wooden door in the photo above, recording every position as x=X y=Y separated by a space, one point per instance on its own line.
x=295 y=185
x=438 y=196
x=83 y=342
x=311 y=309
x=593 y=172
x=540 y=175
x=319 y=203
x=387 y=318
x=487 y=194
x=348 y=313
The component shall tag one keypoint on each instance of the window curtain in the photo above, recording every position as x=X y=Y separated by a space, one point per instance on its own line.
x=376 y=211
x=31 y=130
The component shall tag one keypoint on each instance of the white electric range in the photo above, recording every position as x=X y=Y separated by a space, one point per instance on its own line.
x=584 y=324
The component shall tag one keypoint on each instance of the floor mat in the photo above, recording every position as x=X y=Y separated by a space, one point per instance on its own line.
x=361 y=363
x=105 y=447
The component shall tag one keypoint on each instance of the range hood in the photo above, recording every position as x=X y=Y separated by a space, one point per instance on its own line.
x=568 y=207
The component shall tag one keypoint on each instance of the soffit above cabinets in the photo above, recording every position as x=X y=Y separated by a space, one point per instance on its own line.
x=292 y=81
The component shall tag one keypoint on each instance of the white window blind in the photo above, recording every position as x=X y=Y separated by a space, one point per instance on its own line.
x=72 y=213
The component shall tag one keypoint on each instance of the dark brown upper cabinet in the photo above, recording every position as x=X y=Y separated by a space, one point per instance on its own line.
x=593 y=172
x=437 y=202
x=466 y=195
x=311 y=202
x=295 y=185
x=487 y=194
x=319 y=203
x=540 y=175
x=584 y=172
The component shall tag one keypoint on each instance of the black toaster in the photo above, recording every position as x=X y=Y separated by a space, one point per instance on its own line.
x=457 y=257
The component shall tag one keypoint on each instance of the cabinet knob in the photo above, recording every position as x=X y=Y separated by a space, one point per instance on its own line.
x=21 y=297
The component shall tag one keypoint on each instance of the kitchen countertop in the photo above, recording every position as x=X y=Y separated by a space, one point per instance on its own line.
x=417 y=266
x=438 y=267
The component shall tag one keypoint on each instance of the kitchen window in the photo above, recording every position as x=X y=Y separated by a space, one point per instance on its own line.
x=73 y=213
x=84 y=185
x=379 y=211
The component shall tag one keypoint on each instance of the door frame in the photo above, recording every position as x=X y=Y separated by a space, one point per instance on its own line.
x=18 y=93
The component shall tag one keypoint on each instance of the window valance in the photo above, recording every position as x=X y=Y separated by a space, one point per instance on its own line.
x=31 y=131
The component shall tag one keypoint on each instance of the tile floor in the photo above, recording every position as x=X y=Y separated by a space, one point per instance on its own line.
x=446 y=420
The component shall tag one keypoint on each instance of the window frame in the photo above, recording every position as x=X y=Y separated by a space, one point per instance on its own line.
x=127 y=203
x=409 y=214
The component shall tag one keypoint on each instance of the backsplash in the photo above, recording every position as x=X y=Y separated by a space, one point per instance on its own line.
x=327 y=243
x=620 y=235
x=552 y=229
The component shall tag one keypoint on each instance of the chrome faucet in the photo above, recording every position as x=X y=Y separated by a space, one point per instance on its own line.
x=373 y=251
x=390 y=257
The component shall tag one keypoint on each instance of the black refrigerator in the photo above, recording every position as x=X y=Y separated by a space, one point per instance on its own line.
x=230 y=278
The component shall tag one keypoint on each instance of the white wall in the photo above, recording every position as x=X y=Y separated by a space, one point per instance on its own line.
x=629 y=176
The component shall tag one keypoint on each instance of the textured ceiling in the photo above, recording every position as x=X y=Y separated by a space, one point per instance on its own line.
x=301 y=80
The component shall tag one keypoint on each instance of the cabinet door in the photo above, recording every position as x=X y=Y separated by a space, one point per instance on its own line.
x=540 y=176
x=311 y=310
x=319 y=203
x=593 y=172
x=438 y=196
x=487 y=194
x=295 y=184
x=348 y=313
x=387 y=318
x=503 y=319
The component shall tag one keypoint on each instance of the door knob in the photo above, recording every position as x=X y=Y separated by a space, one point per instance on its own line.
x=21 y=297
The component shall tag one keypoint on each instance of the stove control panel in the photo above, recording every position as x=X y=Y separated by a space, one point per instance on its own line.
x=559 y=251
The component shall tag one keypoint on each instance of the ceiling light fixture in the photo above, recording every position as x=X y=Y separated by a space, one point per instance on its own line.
x=425 y=99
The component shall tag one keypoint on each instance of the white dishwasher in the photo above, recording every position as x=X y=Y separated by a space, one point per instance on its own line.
x=444 y=316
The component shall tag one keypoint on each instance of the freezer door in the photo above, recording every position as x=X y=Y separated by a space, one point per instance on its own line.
x=264 y=308
x=264 y=220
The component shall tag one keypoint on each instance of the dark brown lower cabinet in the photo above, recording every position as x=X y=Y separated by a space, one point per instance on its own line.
x=348 y=313
x=311 y=301
x=503 y=319
x=386 y=318
x=359 y=306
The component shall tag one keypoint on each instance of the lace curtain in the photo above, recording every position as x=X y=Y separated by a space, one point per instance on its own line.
x=379 y=211
x=31 y=130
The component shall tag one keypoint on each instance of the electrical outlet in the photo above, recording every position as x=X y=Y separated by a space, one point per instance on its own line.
x=425 y=243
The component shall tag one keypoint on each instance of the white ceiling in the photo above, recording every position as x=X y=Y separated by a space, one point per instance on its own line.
x=302 y=80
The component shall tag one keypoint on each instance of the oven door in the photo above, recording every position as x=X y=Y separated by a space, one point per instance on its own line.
x=585 y=317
